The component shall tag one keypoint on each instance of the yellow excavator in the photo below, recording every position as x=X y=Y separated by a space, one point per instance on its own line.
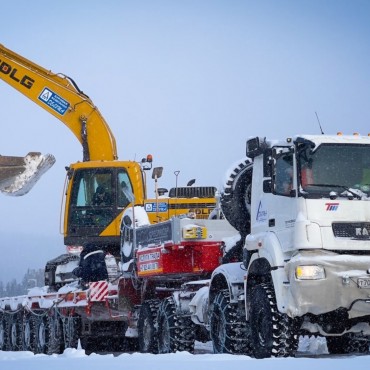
x=101 y=187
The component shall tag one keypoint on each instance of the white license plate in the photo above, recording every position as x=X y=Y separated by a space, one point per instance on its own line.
x=363 y=283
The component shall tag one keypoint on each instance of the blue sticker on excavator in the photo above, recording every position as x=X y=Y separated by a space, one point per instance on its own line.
x=152 y=207
x=54 y=101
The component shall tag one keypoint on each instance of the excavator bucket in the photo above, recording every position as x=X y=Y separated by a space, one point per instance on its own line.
x=19 y=174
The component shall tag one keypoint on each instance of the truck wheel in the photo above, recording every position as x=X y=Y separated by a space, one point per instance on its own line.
x=29 y=333
x=229 y=333
x=347 y=343
x=175 y=332
x=71 y=330
x=147 y=326
x=14 y=326
x=271 y=331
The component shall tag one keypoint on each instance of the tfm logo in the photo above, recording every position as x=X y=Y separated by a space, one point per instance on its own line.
x=331 y=206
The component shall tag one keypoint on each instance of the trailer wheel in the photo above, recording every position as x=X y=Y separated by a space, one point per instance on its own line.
x=3 y=333
x=147 y=324
x=49 y=334
x=56 y=343
x=175 y=332
x=29 y=333
x=271 y=331
x=14 y=332
x=229 y=333
x=43 y=334
x=71 y=330
x=347 y=343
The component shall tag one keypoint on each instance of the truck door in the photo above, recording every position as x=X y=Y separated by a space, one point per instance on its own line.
x=282 y=210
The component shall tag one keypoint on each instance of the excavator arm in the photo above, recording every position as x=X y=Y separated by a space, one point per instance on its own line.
x=60 y=96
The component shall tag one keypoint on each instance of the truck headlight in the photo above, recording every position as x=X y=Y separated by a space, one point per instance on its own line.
x=310 y=272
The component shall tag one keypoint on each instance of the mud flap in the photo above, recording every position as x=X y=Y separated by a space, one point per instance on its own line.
x=19 y=174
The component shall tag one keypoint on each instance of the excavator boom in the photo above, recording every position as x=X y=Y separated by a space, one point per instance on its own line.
x=19 y=174
x=60 y=96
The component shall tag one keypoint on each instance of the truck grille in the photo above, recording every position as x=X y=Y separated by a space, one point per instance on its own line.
x=355 y=230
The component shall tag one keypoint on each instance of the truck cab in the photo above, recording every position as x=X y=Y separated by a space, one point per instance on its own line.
x=310 y=231
x=312 y=192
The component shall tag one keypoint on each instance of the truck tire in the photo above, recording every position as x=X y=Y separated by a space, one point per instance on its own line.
x=236 y=196
x=14 y=326
x=175 y=332
x=229 y=333
x=347 y=343
x=71 y=331
x=147 y=326
x=271 y=331
x=29 y=333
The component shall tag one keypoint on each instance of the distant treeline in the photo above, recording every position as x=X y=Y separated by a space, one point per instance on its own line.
x=31 y=279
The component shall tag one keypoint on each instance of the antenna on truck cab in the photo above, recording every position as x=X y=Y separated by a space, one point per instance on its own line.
x=322 y=132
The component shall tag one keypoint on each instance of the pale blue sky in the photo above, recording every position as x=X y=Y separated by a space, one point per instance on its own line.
x=187 y=81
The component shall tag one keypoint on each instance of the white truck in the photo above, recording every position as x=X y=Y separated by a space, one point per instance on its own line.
x=302 y=208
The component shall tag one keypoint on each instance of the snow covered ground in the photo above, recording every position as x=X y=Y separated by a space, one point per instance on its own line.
x=73 y=359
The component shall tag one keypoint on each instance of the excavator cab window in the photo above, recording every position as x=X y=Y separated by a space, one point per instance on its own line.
x=124 y=189
x=92 y=201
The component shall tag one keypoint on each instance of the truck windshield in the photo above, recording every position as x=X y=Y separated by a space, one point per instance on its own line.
x=340 y=168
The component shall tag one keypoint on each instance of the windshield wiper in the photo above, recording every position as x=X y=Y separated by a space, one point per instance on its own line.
x=337 y=186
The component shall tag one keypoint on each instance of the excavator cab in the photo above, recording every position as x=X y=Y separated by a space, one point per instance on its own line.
x=96 y=198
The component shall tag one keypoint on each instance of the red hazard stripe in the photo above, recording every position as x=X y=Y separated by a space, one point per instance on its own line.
x=98 y=290
x=98 y=294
